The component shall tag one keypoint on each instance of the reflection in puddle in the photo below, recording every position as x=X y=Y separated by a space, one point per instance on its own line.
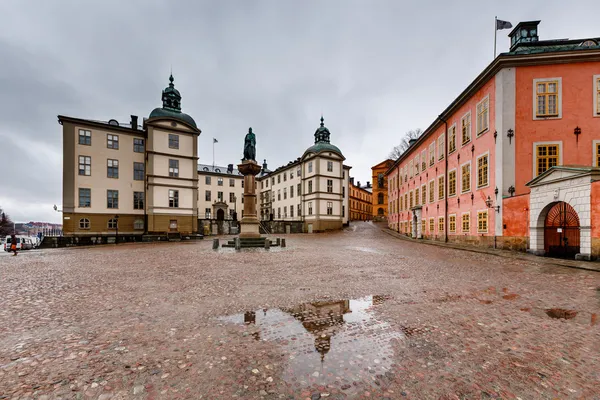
x=341 y=343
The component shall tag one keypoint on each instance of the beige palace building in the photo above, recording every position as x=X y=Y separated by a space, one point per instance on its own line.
x=146 y=180
x=137 y=179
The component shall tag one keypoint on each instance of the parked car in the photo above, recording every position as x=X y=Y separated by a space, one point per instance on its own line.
x=8 y=243
x=26 y=243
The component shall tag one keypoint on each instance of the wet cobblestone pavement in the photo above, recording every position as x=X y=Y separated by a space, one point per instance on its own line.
x=356 y=314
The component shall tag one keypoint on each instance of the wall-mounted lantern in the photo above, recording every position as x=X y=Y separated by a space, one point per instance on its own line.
x=510 y=135
x=489 y=204
x=577 y=132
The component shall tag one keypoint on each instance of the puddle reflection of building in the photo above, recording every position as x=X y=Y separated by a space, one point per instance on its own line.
x=250 y=319
x=322 y=320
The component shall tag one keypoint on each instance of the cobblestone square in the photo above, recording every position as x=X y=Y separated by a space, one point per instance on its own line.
x=347 y=315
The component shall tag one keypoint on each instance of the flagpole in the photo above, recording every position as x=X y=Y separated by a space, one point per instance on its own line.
x=495 y=34
x=213 y=154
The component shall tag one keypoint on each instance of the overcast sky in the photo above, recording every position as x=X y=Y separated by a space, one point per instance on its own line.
x=375 y=69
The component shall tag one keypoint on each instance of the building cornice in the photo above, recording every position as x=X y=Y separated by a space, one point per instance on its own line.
x=158 y=153
x=102 y=125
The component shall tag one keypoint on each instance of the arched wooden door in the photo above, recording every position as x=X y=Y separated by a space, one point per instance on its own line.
x=561 y=231
x=220 y=214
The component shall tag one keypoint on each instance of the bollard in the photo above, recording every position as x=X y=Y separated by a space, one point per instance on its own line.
x=282 y=242
x=215 y=244
x=267 y=244
x=278 y=241
x=238 y=243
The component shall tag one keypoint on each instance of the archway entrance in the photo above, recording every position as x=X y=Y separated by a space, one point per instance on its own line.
x=220 y=214
x=380 y=211
x=562 y=231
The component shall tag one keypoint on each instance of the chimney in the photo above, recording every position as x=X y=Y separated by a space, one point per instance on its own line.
x=351 y=180
x=229 y=167
x=134 y=123
x=368 y=184
x=358 y=183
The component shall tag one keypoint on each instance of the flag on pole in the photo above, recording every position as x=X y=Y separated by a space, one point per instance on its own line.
x=502 y=25
x=215 y=140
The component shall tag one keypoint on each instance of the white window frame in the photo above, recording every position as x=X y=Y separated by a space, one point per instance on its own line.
x=481 y=132
x=461 y=222
x=437 y=178
x=441 y=146
x=487 y=153
x=452 y=127
x=534 y=154
x=595 y=144
x=448 y=222
x=487 y=227
x=426 y=194
x=558 y=102
x=470 y=177
x=429 y=189
x=595 y=90
x=432 y=158
x=456 y=192
x=470 y=116
x=424 y=159
x=85 y=224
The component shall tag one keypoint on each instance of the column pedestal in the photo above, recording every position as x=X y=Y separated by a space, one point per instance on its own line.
x=249 y=224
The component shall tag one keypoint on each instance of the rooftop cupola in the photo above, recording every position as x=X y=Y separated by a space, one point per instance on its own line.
x=524 y=32
x=171 y=105
x=322 y=133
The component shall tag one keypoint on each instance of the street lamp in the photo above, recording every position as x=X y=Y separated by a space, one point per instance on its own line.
x=116 y=229
x=489 y=203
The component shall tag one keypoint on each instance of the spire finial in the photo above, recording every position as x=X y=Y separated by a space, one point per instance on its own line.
x=171 y=79
x=322 y=120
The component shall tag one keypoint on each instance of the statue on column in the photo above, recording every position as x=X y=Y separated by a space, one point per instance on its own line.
x=250 y=146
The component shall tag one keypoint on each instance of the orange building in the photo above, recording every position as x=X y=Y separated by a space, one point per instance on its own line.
x=513 y=161
x=380 y=190
x=361 y=201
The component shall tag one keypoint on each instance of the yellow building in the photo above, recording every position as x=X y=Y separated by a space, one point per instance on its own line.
x=361 y=201
x=380 y=192
x=131 y=179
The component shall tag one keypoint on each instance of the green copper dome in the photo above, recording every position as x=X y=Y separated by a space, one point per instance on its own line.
x=162 y=112
x=320 y=147
x=171 y=108
x=322 y=144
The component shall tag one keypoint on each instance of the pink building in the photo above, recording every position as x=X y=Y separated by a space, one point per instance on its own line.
x=513 y=161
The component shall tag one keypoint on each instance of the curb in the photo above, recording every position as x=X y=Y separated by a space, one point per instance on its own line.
x=500 y=253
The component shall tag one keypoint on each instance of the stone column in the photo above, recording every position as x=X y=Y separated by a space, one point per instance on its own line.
x=249 y=224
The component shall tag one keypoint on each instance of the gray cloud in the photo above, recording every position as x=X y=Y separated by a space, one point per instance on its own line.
x=374 y=69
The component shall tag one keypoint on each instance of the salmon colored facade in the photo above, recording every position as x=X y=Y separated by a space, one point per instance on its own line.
x=513 y=161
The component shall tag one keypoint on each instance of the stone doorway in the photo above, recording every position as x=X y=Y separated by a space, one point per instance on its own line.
x=416 y=225
x=220 y=214
x=561 y=231
x=571 y=186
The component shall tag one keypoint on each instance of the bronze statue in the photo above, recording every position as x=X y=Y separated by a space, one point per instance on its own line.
x=250 y=146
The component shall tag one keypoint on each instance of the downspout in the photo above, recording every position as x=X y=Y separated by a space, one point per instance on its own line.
x=445 y=177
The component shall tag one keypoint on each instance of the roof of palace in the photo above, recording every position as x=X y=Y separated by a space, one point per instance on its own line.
x=217 y=170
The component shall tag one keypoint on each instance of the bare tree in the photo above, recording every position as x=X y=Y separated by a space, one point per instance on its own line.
x=397 y=151
x=6 y=225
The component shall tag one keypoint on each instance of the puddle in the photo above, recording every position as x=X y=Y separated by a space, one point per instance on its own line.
x=343 y=343
x=561 y=313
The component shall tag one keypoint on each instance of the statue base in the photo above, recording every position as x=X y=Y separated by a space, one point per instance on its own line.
x=249 y=224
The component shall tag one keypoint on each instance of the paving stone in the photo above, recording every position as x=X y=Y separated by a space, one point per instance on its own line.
x=350 y=314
